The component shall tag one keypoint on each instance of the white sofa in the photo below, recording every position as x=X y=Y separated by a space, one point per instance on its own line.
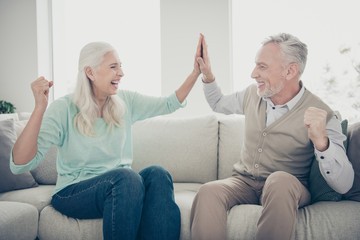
x=195 y=151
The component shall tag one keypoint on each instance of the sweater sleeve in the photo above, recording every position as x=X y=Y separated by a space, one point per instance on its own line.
x=142 y=106
x=227 y=104
x=51 y=133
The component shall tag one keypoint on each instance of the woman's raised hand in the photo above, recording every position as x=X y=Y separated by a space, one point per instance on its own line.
x=204 y=62
x=40 y=88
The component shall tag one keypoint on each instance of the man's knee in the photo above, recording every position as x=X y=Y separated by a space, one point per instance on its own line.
x=279 y=184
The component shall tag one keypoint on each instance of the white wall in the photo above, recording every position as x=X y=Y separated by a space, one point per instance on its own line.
x=18 y=52
x=181 y=24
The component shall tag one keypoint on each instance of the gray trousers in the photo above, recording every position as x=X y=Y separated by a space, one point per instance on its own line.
x=280 y=195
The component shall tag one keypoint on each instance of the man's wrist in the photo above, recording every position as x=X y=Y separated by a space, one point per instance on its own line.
x=323 y=146
x=208 y=79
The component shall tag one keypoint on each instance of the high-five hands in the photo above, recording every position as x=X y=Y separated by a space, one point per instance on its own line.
x=40 y=88
x=202 y=61
x=315 y=121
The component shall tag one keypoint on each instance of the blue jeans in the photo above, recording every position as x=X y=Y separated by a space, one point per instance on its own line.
x=132 y=205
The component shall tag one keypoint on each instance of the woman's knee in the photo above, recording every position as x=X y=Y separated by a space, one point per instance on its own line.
x=155 y=174
x=126 y=179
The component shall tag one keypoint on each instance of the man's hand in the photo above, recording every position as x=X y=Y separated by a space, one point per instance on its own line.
x=204 y=62
x=315 y=121
x=40 y=88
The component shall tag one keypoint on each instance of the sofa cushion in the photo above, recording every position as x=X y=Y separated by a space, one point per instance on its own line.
x=18 y=221
x=231 y=138
x=318 y=187
x=54 y=225
x=321 y=220
x=354 y=157
x=13 y=116
x=329 y=220
x=9 y=181
x=39 y=196
x=186 y=147
x=45 y=172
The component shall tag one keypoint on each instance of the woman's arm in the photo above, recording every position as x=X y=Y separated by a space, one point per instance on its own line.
x=188 y=84
x=25 y=147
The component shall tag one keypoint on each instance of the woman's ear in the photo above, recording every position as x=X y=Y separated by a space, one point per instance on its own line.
x=89 y=73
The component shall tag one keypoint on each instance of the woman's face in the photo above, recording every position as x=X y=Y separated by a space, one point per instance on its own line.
x=106 y=77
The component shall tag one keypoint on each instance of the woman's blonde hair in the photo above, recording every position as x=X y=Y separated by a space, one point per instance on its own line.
x=91 y=56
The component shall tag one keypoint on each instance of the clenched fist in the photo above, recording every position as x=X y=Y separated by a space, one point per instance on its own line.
x=40 y=88
x=315 y=121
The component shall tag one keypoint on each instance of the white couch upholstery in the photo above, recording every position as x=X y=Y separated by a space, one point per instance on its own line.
x=194 y=151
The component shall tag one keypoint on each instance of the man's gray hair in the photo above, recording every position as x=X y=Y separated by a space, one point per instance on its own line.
x=292 y=49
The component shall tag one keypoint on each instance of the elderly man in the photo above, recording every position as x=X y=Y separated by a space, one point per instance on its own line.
x=285 y=126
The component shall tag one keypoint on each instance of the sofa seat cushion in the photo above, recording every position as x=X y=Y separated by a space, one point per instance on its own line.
x=18 y=221
x=184 y=197
x=39 y=196
x=72 y=229
x=66 y=228
x=186 y=147
x=321 y=220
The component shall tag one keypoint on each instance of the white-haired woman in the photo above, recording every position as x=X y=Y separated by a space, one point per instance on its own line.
x=92 y=131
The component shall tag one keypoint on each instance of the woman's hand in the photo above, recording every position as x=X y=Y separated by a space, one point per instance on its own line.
x=204 y=62
x=198 y=54
x=40 y=88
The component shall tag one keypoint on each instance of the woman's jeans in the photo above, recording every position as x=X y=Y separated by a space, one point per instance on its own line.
x=132 y=205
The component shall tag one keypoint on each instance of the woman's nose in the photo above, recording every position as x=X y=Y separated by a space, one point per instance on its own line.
x=120 y=72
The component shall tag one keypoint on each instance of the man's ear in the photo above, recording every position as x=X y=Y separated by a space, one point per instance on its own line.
x=292 y=71
x=89 y=73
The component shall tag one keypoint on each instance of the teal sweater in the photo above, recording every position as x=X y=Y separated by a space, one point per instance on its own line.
x=82 y=157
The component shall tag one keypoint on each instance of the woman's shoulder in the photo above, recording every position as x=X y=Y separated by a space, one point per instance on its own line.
x=62 y=105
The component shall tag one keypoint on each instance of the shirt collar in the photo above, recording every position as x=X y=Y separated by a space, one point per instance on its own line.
x=290 y=104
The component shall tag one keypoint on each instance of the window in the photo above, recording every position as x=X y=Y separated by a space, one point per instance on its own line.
x=132 y=27
x=329 y=28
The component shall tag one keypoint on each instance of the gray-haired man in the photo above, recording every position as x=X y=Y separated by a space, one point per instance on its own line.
x=285 y=126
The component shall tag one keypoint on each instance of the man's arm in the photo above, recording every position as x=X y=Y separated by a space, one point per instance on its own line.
x=218 y=102
x=333 y=163
x=329 y=150
x=227 y=104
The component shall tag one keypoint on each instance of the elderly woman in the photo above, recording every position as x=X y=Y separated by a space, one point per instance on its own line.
x=92 y=131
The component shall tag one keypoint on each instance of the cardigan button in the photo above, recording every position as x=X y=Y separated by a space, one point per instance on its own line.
x=264 y=134
x=259 y=150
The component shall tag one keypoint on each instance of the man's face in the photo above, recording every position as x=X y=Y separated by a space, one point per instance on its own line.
x=269 y=71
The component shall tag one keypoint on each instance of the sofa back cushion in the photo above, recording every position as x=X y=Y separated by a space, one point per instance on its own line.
x=186 y=147
x=353 y=153
x=231 y=139
x=46 y=172
x=9 y=181
x=318 y=187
